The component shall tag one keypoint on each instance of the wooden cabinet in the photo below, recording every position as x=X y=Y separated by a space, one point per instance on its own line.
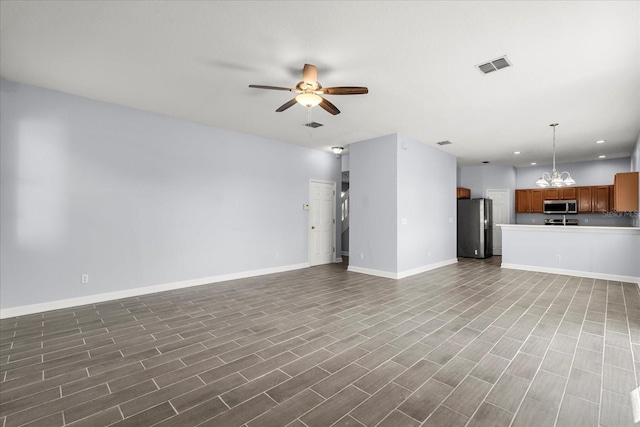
x=529 y=201
x=621 y=197
x=612 y=206
x=536 y=201
x=551 y=193
x=584 y=199
x=600 y=198
x=560 y=193
x=568 y=193
x=523 y=201
x=625 y=189
x=463 y=193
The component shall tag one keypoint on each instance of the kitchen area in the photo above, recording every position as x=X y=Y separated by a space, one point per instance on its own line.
x=569 y=243
x=579 y=230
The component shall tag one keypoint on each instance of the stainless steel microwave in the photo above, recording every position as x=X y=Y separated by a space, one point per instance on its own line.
x=560 y=207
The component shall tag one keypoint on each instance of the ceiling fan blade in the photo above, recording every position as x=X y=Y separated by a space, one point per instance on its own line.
x=329 y=107
x=286 y=105
x=310 y=74
x=344 y=90
x=273 y=88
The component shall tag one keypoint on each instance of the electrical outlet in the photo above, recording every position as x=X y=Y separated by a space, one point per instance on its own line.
x=361 y=255
x=558 y=257
x=85 y=279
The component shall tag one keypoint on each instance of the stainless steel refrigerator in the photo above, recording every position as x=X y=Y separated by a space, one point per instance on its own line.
x=474 y=228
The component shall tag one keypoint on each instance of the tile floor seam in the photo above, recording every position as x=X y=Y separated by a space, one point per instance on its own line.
x=469 y=374
x=573 y=358
x=604 y=349
x=515 y=413
x=633 y=359
x=460 y=304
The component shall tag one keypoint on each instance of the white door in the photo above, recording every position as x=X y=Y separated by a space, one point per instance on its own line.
x=322 y=223
x=500 y=216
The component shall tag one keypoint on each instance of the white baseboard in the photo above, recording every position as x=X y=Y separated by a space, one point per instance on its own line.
x=338 y=260
x=127 y=293
x=425 y=268
x=402 y=274
x=345 y=253
x=371 y=272
x=587 y=274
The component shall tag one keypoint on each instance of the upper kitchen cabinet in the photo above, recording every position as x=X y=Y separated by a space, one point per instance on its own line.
x=600 y=198
x=560 y=193
x=463 y=193
x=568 y=193
x=529 y=201
x=551 y=193
x=584 y=199
x=625 y=189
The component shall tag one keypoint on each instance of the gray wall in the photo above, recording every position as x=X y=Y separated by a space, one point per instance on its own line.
x=373 y=185
x=426 y=199
x=597 y=172
x=403 y=206
x=136 y=199
x=485 y=177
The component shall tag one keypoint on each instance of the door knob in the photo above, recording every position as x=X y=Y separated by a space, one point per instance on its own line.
x=313 y=227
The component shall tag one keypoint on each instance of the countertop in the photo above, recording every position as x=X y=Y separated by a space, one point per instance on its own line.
x=572 y=228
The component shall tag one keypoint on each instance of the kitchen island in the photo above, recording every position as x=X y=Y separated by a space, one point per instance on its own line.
x=609 y=253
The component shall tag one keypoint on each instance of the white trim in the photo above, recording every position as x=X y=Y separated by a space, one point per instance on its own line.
x=371 y=272
x=587 y=274
x=345 y=253
x=127 y=293
x=333 y=220
x=425 y=268
x=338 y=260
x=403 y=274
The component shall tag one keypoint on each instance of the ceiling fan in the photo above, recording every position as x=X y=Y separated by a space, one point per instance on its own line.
x=310 y=89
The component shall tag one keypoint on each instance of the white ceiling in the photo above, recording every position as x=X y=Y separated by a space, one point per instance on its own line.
x=576 y=63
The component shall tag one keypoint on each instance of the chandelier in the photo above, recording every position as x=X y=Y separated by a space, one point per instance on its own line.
x=555 y=179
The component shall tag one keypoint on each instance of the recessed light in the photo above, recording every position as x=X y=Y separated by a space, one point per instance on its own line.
x=516 y=152
x=601 y=141
x=602 y=157
x=533 y=163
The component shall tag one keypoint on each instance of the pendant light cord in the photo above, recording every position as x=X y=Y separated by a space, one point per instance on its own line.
x=553 y=125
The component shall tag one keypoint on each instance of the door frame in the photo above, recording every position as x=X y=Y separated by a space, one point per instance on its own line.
x=507 y=193
x=333 y=221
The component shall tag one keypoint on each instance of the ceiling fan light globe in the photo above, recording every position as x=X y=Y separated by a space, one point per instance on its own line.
x=309 y=99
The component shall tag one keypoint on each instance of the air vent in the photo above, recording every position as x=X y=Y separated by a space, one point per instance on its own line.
x=313 y=124
x=494 y=65
x=444 y=143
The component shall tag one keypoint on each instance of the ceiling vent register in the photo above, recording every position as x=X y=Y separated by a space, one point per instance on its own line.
x=313 y=124
x=494 y=65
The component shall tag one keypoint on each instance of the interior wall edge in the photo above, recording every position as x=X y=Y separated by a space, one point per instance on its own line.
x=134 y=292
x=585 y=274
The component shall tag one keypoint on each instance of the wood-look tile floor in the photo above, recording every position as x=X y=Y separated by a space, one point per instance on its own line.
x=468 y=344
